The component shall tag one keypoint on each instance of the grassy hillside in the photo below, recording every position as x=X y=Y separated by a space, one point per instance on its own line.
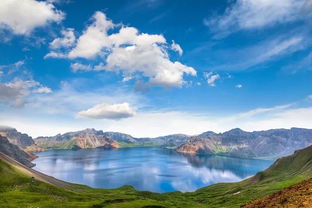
x=23 y=187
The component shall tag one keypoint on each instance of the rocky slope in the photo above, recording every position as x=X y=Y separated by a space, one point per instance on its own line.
x=89 y=138
x=15 y=152
x=271 y=144
x=15 y=137
x=298 y=195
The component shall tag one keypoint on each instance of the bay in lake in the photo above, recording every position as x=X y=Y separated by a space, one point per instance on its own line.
x=145 y=168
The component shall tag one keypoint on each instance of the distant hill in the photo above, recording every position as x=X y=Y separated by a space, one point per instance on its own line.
x=258 y=144
x=24 y=187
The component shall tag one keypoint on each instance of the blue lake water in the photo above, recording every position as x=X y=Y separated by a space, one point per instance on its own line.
x=145 y=168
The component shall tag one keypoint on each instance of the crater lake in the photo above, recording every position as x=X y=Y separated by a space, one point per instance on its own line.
x=145 y=168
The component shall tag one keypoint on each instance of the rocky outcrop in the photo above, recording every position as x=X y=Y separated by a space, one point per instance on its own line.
x=15 y=137
x=15 y=152
x=271 y=144
x=86 y=139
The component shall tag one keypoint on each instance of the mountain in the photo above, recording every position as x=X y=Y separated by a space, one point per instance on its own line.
x=15 y=152
x=88 y=138
x=258 y=144
x=15 y=137
x=24 y=187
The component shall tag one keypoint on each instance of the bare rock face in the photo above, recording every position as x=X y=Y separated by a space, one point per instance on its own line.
x=15 y=152
x=86 y=139
x=17 y=138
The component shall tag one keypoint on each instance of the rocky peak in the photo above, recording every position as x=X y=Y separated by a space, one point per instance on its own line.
x=206 y=134
x=236 y=131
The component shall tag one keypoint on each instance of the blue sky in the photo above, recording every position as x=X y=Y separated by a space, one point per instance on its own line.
x=155 y=67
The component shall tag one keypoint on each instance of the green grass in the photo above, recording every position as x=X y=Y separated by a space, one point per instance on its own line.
x=19 y=190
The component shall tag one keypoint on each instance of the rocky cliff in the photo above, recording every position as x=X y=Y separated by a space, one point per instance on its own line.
x=15 y=152
x=15 y=137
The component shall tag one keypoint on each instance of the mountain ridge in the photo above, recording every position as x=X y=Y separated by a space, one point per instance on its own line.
x=272 y=143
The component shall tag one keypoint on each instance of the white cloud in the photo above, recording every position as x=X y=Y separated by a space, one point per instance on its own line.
x=211 y=78
x=263 y=52
x=94 y=38
x=176 y=47
x=80 y=67
x=127 y=51
x=105 y=111
x=42 y=90
x=288 y=45
x=67 y=40
x=247 y=14
x=239 y=86
x=23 y=16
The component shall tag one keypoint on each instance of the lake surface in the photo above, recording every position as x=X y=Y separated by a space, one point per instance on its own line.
x=145 y=168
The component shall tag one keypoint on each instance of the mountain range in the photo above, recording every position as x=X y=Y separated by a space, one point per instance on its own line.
x=272 y=143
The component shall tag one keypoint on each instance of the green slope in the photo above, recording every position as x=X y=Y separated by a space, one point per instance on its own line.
x=19 y=189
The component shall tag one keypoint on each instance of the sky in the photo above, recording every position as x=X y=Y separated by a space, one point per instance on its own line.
x=155 y=67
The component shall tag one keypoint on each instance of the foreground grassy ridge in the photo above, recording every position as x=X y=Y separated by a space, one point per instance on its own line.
x=19 y=189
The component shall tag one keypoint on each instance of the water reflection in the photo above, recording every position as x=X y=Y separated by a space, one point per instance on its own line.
x=152 y=169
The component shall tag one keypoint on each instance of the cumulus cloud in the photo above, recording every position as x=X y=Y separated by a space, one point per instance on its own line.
x=23 y=16
x=239 y=86
x=94 y=38
x=246 y=14
x=127 y=51
x=211 y=78
x=105 y=111
x=67 y=40
x=80 y=67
